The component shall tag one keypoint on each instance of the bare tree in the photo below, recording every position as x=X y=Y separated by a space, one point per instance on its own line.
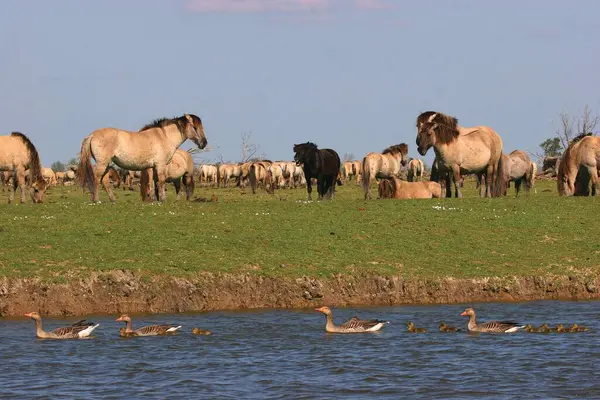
x=348 y=157
x=249 y=149
x=585 y=124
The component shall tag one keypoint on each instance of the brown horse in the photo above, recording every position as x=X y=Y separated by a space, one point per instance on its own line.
x=386 y=164
x=260 y=172
x=519 y=170
x=578 y=166
x=463 y=150
x=17 y=154
x=322 y=164
x=395 y=188
x=415 y=170
x=179 y=170
x=152 y=147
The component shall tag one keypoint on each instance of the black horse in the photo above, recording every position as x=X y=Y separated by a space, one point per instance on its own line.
x=322 y=164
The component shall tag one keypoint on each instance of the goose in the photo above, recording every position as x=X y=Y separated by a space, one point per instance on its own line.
x=530 y=328
x=413 y=329
x=490 y=326
x=79 y=329
x=545 y=328
x=124 y=333
x=198 y=331
x=446 y=328
x=577 y=328
x=560 y=328
x=354 y=325
x=150 y=330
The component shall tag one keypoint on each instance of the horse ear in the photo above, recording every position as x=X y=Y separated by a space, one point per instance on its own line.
x=190 y=120
x=432 y=117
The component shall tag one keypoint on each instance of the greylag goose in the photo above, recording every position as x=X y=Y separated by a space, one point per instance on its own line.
x=490 y=326
x=577 y=328
x=545 y=328
x=78 y=330
x=446 y=328
x=198 y=331
x=354 y=325
x=413 y=329
x=150 y=330
x=560 y=328
x=530 y=328
x=124 y=333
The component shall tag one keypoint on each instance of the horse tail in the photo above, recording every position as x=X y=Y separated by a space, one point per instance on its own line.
x=85 y=171
x=218 y=176
x=252 y=177
x=529 y=177
x=366 y=178
x=499 y=185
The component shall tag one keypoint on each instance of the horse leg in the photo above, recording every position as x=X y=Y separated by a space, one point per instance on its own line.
x=177 y=184
x=105 y=179
x=19 y=180
x=456 y=176
x=518 y=186
x=162 y=177
x=595 y=181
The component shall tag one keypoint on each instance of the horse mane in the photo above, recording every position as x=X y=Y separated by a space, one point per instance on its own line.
x=395 y=149
x=164 y=122
x=447 y=129
x=35 y=164
x=579 y=137
x=387 y=188
x=307 y=144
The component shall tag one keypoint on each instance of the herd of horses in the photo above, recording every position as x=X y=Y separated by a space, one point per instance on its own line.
x=153 y=156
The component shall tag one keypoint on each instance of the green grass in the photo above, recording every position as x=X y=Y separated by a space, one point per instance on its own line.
x=282 y=235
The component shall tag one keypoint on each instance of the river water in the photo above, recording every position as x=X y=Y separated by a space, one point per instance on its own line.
x=287 y=354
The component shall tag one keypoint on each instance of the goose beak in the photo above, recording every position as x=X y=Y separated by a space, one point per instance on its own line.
x=464 y=314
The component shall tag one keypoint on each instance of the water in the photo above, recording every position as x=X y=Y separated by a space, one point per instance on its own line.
x=287 y=354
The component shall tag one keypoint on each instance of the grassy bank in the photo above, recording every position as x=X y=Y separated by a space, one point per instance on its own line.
x=284 y=236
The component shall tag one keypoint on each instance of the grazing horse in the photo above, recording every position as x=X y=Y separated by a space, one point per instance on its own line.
x=152 y=147
x=17 y=154
x=519 y=170
x=112 y=176
x=386 y=164
x=395 y=188
x=277 y=174
x=49 y=176
x=260 y=172
x=463 y=150
x=357 y=170
x=578 y=166
x=323 y=164
x=415 y=170
x=227 y=172
x=179 y=170
x=208 y=174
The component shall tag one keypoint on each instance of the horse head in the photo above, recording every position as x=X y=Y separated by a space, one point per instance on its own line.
x=425 y=133
x=38 y=189
x=303 y=151
x=195 y=131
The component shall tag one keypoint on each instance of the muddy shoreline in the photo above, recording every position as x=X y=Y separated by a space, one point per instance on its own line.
x=122 y=291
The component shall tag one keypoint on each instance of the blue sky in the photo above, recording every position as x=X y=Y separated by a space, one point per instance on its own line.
x=347 y=74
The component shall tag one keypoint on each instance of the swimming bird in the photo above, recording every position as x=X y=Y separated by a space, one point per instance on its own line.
x=560 y=328
x=198 y=331
x=577 y=328
x=446 y=328
x=530 y=328
x=546 y=329
x=124 y=333
x=413 y=329
x=490 y=326
x=79 y=329
x=150 y=330
x=354 y=325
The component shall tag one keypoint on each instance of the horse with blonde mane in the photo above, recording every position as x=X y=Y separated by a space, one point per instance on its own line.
x=17 y=154
x=152 y=147
x=386 y=164
x=395 y=188
x=179 y=170
x=579 y=166
x=462 y=150
x=415 y=170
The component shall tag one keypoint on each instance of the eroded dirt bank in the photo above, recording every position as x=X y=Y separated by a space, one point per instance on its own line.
x=118 y=291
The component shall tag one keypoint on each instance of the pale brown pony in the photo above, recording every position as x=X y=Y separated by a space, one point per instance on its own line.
x=395 y=188
x=578 y=166
x=386 y=164
x=179 y=170
x=415 y=170
x=463 y=150
x=17 y=154
x=519 y=169
x=260 y=172
x=152 y=147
